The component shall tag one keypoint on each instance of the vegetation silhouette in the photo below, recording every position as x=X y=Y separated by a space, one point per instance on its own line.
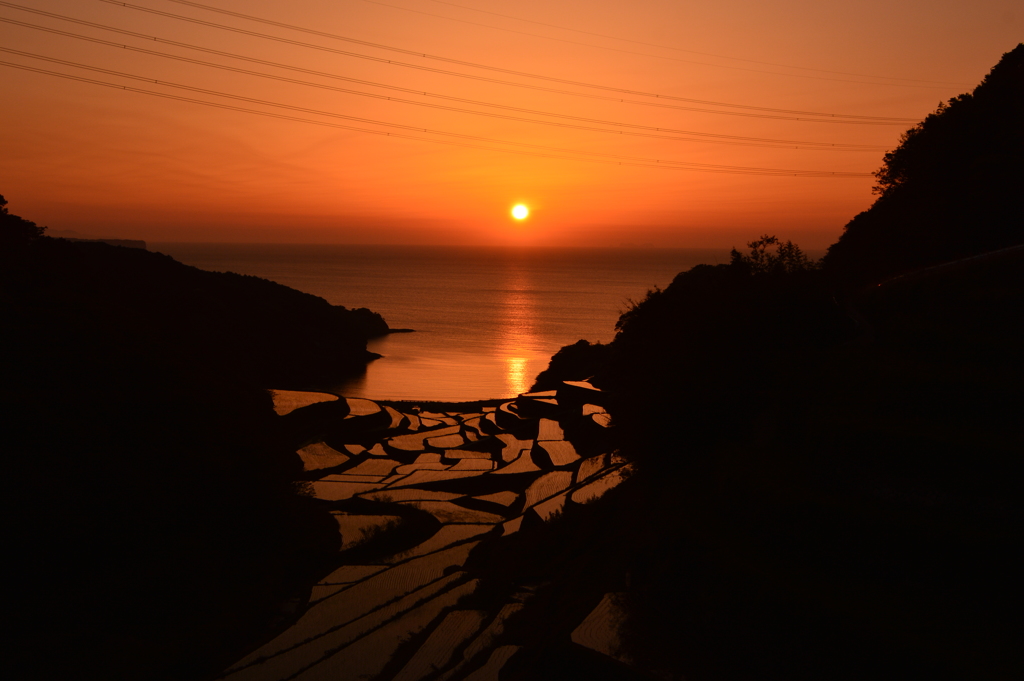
x=949 y=190
x=829 y=453
x=576 y=362
x=16 y=232
x=787 y=259
x=158 y=529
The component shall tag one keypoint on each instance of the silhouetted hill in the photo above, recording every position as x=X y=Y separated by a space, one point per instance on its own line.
x=155 y=525
x=829 y=457
x=257 y=331
x=951 y=189
x=839 y=499
x=576 y=362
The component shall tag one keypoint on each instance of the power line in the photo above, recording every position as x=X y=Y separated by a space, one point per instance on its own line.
x=472 y=140
x=191 y=3
x=680 y=49
x=851 y=117
x=708 y=137
x=486 y=79
x=934 y=84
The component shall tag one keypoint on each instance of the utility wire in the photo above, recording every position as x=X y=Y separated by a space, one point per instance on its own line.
x=660 y=105
x=553 y=152
x=935 y=84
x=269 y=114
x=430 y=69
x=851 y=117
x=710 y=137
x=482 y=78
x=678 y=49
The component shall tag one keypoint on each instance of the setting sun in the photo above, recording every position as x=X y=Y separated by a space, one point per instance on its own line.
x=520 y=212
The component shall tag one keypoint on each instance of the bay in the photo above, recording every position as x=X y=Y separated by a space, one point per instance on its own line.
x=487 y=320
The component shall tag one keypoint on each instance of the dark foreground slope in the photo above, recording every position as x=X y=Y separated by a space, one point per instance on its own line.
x=153 y=522
x=848 y=506
x=830 y=457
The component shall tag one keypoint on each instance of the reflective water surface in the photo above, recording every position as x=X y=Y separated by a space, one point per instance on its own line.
x=487 y=320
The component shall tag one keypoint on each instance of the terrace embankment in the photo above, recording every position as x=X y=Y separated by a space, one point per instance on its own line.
x=427 y=499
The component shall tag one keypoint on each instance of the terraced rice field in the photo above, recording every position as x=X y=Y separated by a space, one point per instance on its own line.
x=287 y=401
x=319 y=456
x=462 y=479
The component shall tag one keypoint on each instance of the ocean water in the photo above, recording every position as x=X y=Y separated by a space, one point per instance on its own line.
x=486 y=320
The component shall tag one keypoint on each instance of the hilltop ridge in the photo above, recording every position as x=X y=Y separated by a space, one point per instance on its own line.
x=951 y=188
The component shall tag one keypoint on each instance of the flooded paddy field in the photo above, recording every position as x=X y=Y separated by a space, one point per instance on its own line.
x=419 y=491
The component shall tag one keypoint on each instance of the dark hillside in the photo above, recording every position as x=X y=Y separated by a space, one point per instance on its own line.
x=155 y=525
x=951 y=189
x=851 y=504
x=257 y=331
x=703 y=355
x=830 y=473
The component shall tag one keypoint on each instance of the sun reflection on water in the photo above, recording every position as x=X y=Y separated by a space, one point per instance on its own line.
x=515 y=374
x=519 y=345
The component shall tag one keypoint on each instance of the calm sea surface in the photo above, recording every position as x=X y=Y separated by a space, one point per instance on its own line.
x=487 y=320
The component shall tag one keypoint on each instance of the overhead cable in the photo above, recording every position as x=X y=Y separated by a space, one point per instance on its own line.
x=322 y=48
x=430 y=69
x=931 y=83
x=680 y=49
x=830 y=116
x=699 y=137
x=470 y=140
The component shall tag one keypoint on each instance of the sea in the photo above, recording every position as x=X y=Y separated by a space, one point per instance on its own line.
x=486 y=320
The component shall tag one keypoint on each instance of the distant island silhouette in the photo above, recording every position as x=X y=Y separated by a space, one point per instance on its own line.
x=816 y=464
x=127 y=243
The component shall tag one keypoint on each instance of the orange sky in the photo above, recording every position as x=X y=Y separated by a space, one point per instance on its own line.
x=116 y=163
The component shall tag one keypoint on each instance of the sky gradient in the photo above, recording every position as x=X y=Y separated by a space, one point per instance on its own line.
x=110 y=162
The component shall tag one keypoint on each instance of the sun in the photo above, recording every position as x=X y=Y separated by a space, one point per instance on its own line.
x=520 y=212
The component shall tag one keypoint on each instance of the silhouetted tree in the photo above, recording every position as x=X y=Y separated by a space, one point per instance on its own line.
x=787 y=258
x=15 y=230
